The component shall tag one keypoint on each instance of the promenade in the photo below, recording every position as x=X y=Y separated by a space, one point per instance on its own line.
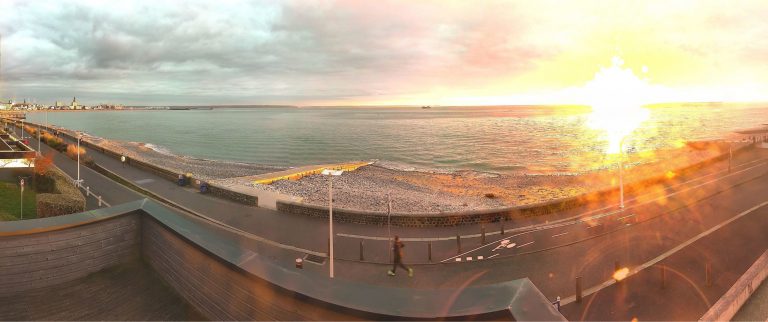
x=552 y=256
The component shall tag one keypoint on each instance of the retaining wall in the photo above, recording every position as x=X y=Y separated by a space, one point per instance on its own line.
x=210 y=266
x=739 y=293
x=220 y=291
x=42 y=255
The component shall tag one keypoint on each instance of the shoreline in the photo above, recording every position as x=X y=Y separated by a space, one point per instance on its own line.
x=420 y=192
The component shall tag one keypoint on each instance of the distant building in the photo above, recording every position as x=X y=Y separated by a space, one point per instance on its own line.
x=74 y=104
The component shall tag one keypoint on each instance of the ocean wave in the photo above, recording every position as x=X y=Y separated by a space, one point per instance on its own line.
x=159 y=149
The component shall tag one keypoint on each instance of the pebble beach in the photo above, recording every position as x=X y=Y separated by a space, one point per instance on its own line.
x=368 y=187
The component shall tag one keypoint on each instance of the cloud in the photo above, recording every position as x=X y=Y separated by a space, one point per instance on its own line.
x=303 y=52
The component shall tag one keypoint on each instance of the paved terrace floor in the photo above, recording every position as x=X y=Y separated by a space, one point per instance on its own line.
x=128 y=292
x=552 y=270
x=756 y=308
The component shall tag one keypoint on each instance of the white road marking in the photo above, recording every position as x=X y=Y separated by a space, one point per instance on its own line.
x=479 y=257
x=469 y=258
x=558 y=235
x=492 y=256
x=543 y=227
x=590 y=227
x=577 y=218
x=458 y=259
x=661 y=257
x=627 y=216
x=511 y=245
x=526 y=244
x=502 y=244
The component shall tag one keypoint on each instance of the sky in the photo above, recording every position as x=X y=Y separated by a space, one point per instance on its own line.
x=378 y=52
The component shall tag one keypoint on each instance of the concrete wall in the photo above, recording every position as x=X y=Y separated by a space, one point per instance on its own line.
x=739 y=293
x=46 y=256
x=217 y=269
x=220 y=291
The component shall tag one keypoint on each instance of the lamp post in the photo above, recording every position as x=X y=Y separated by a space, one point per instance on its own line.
x=331 y=173
x=389 y=225
x=22 y=129
x=730 y=155
x=79 y=137
x=621 y=173
x=21 y=199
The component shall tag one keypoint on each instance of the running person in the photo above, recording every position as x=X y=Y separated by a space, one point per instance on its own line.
x=397 y=250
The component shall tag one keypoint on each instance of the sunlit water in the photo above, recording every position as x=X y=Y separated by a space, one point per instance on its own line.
x=488 y=139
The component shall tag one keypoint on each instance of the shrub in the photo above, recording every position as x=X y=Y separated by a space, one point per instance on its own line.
x=54 y=142
x=73 y=151
x=45 y=183
x=43 y=163
x=31 y=130
x=64 y=198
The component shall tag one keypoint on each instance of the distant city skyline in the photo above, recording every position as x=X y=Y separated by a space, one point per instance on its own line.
x=377 y=53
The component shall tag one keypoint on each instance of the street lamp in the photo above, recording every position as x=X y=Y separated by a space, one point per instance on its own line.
x=79 y=137
x=330 y=173
x=621 y=173
x=39 y=134
x=389 y=224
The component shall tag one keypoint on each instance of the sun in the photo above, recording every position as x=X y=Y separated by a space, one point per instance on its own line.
x=617 y=97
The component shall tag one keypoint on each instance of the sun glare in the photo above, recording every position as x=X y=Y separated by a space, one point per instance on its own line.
x=617 y=97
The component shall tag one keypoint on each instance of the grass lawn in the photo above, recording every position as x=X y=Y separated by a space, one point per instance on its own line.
x=10 y=201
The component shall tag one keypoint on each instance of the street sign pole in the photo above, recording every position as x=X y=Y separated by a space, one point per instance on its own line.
x=21 y=210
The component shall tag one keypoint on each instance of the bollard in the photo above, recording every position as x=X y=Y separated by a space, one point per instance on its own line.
x=616 y=266
x=87 y=191
x=708 y=273
x=482 y=235
x=502 y=226
x=663 y=277
x=99 y=201
x=458 y=244
x=578 y=289
x=557 y=304
x=361 y=251
x=429 y=251
x=299 y=263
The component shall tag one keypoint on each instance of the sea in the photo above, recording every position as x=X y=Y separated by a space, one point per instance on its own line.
x=497 y=139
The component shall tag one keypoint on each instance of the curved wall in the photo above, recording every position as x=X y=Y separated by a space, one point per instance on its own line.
x=50 y=251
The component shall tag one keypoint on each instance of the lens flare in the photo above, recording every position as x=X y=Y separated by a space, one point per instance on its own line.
x=621 y=274
x=617 y=97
